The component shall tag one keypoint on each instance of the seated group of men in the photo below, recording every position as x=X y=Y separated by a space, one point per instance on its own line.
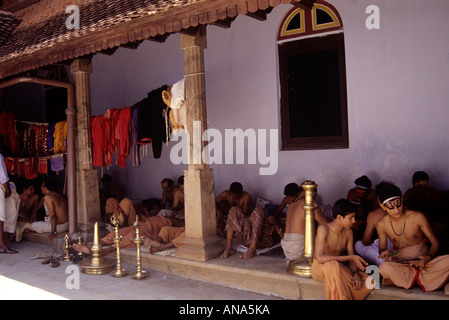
x=19 y=211
x=405 y=248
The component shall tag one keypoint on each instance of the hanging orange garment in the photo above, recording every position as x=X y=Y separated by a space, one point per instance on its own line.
x=60 y=136
x=337 y=280
x=432 y=276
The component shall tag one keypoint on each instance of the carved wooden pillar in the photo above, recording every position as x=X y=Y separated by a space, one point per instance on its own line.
x=201 y=242
x=88 y=197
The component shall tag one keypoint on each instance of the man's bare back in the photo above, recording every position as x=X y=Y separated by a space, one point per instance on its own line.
x=56 y=205
x=295 y=221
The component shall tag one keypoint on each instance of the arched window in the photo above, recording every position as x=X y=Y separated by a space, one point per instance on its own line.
x=313 y=79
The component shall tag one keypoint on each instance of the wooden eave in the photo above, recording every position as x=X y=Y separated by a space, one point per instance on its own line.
x=150 y=27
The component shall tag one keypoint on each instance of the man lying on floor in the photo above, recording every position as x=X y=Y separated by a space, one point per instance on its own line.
x=149 y=228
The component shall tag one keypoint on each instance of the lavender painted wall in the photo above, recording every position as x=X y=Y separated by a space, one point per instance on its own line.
x=397 y=83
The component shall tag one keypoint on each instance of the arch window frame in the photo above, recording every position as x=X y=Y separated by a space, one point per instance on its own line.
x=314 y=40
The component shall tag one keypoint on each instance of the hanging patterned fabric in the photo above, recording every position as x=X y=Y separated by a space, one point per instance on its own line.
x=111 y=118
x=33 y=138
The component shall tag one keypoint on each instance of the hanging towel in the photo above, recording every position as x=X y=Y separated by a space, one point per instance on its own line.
x=57 y=162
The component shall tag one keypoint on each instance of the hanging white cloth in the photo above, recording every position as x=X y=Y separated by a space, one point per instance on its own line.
x=178 y=105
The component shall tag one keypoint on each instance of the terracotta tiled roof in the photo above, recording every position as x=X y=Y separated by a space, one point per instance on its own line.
x=7 y=25
x=42 y=37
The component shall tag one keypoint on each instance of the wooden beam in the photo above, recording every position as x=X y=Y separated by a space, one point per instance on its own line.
x=304 y=4
x=225 y=23
x=159 y=38
x=132 y=45
x=258 y=15
x=108 y=51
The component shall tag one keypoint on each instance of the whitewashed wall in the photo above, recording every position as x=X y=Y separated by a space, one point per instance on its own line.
x=398 y=99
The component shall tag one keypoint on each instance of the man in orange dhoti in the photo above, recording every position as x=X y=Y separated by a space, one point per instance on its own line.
x=411 y=261
x=341 y=281
x=169 y=237
x=124 y=212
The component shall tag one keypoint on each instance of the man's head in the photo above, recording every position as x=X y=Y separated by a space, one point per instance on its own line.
x=49 y=185
x=344 y=211
x=236 y=188
x=28 y=188
x=167 y=184
x=390 y=198
x=292 y=190
x=363 y=184
x=420 y=179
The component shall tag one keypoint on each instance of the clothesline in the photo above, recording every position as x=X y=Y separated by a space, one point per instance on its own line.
x=31 y=167
x=32 y=123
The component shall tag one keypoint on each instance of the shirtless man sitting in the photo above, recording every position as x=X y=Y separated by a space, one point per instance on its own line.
x=174 y=197
x=29 y=201
x=252 y=229
x=368 y=247
x=56 y=209
x=293 y=241
x=335 y=263
x=234 y=196
x=411 y=259
x=168 y=193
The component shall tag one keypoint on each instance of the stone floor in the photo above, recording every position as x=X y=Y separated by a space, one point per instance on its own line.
x=23 y=278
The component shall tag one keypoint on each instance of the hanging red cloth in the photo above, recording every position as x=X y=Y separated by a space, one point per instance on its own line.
x=99 y=146
x=124 y=132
